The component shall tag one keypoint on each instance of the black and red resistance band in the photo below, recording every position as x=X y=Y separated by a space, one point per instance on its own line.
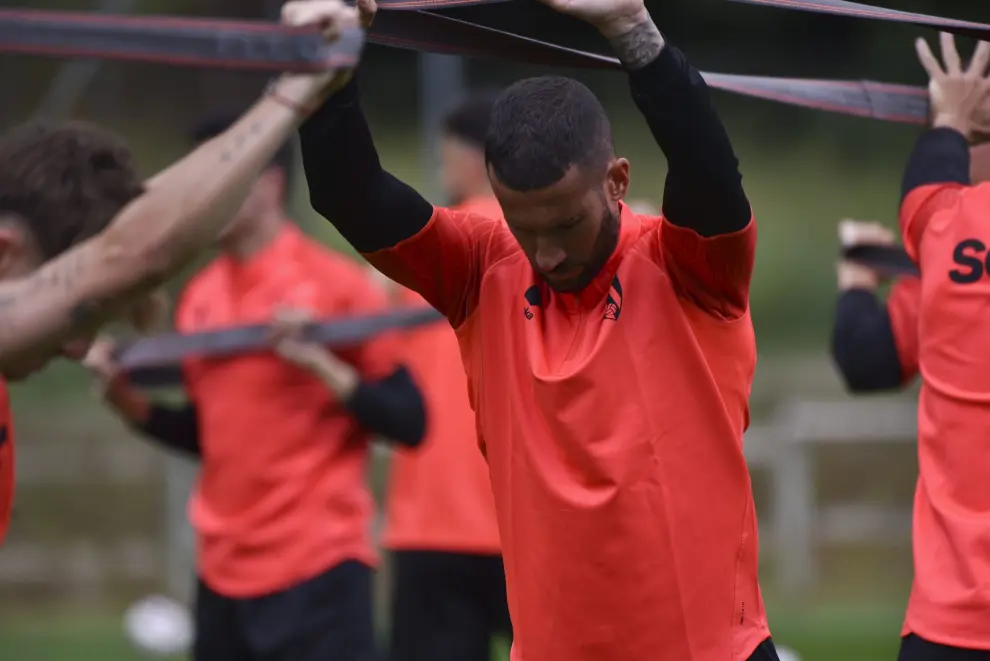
x=154 y=361
x=416 y=25
x=408 y=24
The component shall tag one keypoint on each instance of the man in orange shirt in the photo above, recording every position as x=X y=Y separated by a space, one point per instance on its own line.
x=82 y=238
x=609 y=355
x=448 y=581
x=281 y=508
x=943 y=220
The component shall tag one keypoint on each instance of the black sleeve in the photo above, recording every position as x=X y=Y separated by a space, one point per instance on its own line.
x=863 y=345
x=392 y=407
x=940 y=156
x=704 y=189
x=347 y=185
x=175 y=428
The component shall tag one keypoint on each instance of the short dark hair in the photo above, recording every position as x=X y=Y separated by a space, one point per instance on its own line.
x=469 y=120
x=542 y=127
x=213 y=126
x=65 y=181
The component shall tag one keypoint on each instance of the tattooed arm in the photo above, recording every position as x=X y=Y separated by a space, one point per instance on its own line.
x=180 y=214
x=708 y=237
x=703 y=191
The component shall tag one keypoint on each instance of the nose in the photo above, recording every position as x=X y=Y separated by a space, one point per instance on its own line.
x=548 y=256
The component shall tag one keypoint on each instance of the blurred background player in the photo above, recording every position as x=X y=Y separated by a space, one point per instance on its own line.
x=448 y=583
x=943 y=217
x=874 y=341
x=83 y=239
x=281 y=508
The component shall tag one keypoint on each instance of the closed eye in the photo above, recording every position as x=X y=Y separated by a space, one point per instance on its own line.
x=570 y=224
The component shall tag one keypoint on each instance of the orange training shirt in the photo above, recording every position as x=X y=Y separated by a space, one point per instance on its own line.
x=440 y=494
x=6 y=461
x=613 y=424
x=945 y=231
x=281 y=495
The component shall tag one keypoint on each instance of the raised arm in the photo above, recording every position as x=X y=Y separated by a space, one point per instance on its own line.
x=708 y=238
x=347 y=184
x=431 y=250
x=181 y=212
x=938 y=170
x=703 y=190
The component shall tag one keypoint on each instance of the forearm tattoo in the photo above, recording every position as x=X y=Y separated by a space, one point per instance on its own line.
x=639 y=46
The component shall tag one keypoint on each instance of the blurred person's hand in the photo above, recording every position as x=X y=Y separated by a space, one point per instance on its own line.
x=286 y=336
x=610 y=17
x=308 y=91
x=850 y=274
x=367 y=9
x=110 y=383
x=101 y=361
x=960 y=96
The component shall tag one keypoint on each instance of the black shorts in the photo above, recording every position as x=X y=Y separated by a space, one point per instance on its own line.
x=914 y=648
x=447 y=606
x=765 y=652
x=327 y=617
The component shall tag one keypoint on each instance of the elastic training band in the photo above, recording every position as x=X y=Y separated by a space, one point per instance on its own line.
x=858 y=10
x=168 y=350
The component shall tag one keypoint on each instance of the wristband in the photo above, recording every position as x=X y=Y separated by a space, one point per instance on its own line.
x=301 y=109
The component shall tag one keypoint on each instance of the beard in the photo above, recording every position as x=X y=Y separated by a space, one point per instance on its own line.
x=608 y=239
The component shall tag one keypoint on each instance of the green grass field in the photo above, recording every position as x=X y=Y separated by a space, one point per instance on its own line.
x=835 y=633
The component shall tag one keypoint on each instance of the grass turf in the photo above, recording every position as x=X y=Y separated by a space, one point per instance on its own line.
x=853 y=632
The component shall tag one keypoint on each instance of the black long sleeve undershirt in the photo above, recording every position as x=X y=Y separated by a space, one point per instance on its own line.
x=704 y=189
x=391 y=407
x=347 y=185
x=863 y=345
x=939 y=156
x=175 y=427
x=374 y=210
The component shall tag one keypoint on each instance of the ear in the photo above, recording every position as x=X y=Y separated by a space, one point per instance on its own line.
x=617 y=179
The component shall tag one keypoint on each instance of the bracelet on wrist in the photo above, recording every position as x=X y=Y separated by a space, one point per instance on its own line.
x=276 y=95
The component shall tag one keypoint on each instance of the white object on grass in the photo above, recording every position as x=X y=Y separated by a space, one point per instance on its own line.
x=159 y=626
x=785 y=654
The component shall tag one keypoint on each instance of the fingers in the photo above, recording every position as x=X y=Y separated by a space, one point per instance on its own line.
x=928 y=59
x=981 y=59
x=288 y=323
x=950 y=54
x=855 y=232
x=333 y=15
x=856 y=276
x=367 y=10
x=102 y=363
x=288 y=348
x=100 y=352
